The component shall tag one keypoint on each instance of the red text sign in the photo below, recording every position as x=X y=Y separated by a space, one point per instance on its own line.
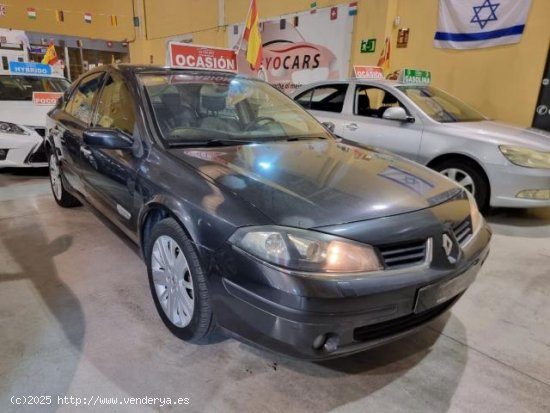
x=46 y=98
x=183 y=55
x=368 y=72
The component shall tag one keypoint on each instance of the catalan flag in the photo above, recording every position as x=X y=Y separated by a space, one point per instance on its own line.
x=252 y=36
x=114 y=21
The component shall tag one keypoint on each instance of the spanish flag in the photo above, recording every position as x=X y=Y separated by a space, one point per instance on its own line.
x=252 y=36
x=50 y=57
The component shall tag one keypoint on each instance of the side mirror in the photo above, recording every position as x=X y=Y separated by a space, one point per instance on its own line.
x=397 y=113
x=329 y=125
x=107 y=138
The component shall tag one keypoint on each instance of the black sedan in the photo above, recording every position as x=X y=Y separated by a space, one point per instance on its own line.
x=254 y=219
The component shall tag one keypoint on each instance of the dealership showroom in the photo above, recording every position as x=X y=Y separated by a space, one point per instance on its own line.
x=275 y=206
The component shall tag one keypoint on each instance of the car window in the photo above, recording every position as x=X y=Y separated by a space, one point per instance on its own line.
x=189 y=107
x=327 y=98
x=15 y=87
x=441 y=106
x=115 y=108
x=372 y=101
x=80 y=104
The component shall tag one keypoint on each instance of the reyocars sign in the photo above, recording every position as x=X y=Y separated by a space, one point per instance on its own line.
x=188 y=56
x=301 y=48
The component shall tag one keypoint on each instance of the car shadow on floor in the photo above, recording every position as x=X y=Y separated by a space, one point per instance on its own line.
x=34 y=348
x=520 y=222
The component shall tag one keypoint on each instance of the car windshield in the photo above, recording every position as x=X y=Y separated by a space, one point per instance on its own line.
x=195 y=108
x=22 y=87
x=441 y=106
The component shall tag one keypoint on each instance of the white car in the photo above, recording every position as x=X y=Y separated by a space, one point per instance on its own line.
x=502 y=165
x=24 y=103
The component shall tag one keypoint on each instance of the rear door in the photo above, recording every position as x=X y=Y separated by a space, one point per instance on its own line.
x=109 y=175
x=70 y=122
x=365 y=123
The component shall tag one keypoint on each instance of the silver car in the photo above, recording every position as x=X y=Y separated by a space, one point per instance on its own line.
x=500 y=164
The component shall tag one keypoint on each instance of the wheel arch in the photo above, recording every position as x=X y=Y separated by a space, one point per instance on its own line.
x=461 y=157
x=154 y=212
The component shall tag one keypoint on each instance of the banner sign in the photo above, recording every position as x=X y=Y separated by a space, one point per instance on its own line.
x=307 y=47
x=368 y=72
x=189 y=56
x=29 y=69
x=45 y=98
x=415 y=76
x=470 y=24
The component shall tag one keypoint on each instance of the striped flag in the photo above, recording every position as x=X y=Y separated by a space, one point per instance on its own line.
x=352 y=10
x=313 y=7
x=252 y=36
x=31 y=13
x=471 y=24
x=114 y=21
x=59 y=16
x=50 y=57
x=88 y=17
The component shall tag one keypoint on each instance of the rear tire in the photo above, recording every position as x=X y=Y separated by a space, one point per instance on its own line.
x=60 y=194
x=178 y=283
x=469 y=175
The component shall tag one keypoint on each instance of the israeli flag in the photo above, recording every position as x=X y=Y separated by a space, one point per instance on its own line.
x=472 y=24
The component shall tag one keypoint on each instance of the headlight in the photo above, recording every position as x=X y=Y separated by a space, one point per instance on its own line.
x=308 y=251
x=529 y=158
x=6 y=127
x=475 y=215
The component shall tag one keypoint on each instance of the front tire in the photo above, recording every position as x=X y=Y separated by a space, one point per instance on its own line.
x=60 y=194
x=469 y=176
x=178 y=283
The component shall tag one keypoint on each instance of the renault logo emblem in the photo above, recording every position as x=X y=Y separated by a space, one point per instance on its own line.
x=448 y=247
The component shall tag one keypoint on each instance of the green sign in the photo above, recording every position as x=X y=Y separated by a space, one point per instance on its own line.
x=416 y=76
x=368 y=46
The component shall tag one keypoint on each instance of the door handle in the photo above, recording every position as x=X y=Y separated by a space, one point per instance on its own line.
x=86 y=152
x=351 y=126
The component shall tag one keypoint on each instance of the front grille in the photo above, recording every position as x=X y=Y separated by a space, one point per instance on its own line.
x=463 y=231
x=403 y=254
x=39 y=155
x=398 y=325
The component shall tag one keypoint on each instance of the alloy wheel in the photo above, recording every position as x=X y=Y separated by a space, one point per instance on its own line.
x=461 y=178
x=172 y=280
x=55 y=178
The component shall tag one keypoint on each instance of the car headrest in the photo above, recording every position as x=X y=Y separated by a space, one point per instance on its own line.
x=213 y=102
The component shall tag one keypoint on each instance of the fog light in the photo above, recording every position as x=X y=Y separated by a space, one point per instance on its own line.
x=539 y=194
x=326 y=342
x=3 y=154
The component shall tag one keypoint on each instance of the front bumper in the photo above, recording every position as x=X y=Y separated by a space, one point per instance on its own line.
x=23 y=151
x=508 y=181
x=319 y=319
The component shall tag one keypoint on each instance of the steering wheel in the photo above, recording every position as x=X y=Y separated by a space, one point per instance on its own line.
x=256 y=122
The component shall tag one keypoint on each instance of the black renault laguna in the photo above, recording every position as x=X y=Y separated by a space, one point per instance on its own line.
x=254 y=219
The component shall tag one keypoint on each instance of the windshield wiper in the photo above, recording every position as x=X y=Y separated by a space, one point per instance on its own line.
x=303 y=138
x=209 y=142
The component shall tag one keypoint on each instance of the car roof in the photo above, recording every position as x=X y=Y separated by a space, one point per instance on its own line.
x=134 y=68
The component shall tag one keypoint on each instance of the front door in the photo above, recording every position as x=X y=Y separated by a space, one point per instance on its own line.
x=367 y=126
x=110 y=174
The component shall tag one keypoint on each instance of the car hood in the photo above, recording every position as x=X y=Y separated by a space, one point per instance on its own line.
x=24 y=113
x=504 y=134
x=308 y=184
